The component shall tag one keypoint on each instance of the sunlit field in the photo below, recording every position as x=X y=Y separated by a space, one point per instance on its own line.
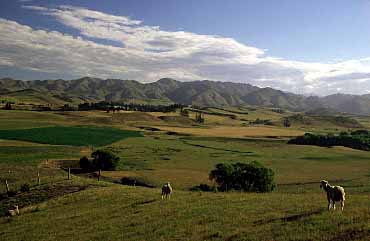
x=182 y=154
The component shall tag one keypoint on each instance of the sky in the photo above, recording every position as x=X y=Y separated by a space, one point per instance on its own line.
x=305 y=47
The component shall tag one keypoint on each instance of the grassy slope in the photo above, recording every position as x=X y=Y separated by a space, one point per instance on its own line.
x=123 y=213
x=187 y=161
x=32 y=96
x=294 y=212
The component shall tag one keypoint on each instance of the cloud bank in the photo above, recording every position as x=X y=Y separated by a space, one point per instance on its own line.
x=111 y=46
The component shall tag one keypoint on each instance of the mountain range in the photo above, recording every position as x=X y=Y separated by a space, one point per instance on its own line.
x=166 y=90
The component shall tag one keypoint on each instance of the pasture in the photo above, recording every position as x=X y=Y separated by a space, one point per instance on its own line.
x=86 y=209
x=127 y=213
x=187 y=161
x=73 y=136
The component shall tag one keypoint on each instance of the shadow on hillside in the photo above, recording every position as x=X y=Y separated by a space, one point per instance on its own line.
x=290 y=218
x=215 y=148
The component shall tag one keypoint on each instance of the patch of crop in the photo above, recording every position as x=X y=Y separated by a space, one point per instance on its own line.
x=74 y=136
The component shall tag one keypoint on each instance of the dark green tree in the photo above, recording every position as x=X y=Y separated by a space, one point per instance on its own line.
x=223 y=176
x=7 y=106
x=104 y=160
x=85 y=163
x=248 y=177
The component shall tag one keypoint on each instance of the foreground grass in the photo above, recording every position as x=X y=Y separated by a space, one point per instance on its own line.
x=123 y=213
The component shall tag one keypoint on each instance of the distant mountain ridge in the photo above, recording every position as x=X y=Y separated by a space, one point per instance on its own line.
x=201 y=93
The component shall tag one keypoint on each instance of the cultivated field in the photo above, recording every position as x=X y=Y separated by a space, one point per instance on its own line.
x=182 y=152
x=72 y=136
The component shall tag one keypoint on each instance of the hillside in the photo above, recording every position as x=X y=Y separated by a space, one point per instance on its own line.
x=201 y=93
x=87 y=209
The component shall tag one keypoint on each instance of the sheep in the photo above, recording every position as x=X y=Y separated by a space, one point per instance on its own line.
x=13 y=212
x=166 y=191
x=334 y=194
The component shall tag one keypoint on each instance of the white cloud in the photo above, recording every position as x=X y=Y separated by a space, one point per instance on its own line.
x=149 y=53
x=36 y=8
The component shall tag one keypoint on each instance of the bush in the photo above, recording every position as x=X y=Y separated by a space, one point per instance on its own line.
x=25 y=187
x=104 y=160
x=85 y=163
x=247 y=177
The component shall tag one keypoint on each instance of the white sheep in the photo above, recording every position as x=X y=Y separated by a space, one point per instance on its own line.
x=13 y=212
x=334 y=194
x=166 y=191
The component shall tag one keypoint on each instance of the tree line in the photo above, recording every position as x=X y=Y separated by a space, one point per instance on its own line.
x=116 y=106
x=359 y=139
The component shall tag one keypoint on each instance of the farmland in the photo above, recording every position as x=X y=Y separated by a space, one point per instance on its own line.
x=182 y=152
x=73 y=136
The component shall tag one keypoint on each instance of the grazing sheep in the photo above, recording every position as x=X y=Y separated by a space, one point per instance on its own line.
x=166 y=191
x=13 y=212
x=334 y=194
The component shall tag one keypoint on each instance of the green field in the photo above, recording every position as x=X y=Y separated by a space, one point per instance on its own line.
x=74 y=136
x=123 y=213
x=85 y=209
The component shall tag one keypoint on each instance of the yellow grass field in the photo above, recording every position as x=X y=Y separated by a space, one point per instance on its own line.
x=236 y=132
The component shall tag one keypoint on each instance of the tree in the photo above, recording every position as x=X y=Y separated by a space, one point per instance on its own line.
x=7 y=106
x=223 y=175
x=248 y=177
x=85 y=163
x=104 y=160
x=286 y=122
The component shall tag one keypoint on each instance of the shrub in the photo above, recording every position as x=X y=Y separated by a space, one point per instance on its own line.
x=104 y=160
x=248 y=177
x=25 y=188
x=85 y=163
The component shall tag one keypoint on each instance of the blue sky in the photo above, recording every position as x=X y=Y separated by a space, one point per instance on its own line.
x=319 y=47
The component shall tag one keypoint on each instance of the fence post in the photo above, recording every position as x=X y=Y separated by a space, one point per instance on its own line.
x=69 y=173
x=6 y=185
x=38 y=178
x=99 y=174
